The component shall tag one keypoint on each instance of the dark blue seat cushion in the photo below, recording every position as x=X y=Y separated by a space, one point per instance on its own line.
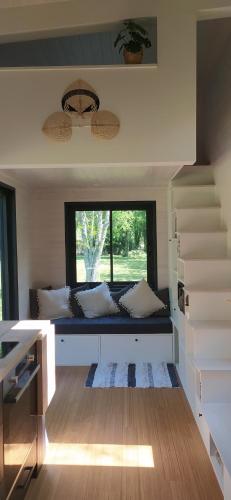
x=112 y=324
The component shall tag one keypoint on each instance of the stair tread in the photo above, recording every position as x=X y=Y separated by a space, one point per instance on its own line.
x=189 y=186
x=205 y=364
x=209 y=207
x=210 y=324
x=208 y=289
x=204 y=258
x=202 y=231
x=217 y=416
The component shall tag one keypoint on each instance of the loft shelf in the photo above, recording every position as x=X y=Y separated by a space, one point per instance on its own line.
x=126 y=67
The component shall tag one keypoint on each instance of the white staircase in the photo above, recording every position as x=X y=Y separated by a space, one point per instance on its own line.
x=214 y=380
x=198 y=219
x=205 y=272
x=203 y=330
x=202 y=244
x=195 y=196
x=210 y=339
x=208 y=303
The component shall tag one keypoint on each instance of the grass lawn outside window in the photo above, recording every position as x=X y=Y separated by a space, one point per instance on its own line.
x=131 y=268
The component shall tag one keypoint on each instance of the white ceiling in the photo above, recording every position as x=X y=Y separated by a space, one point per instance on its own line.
x=93 y=177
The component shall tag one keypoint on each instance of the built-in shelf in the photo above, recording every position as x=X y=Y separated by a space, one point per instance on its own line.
x=216 y=462
x=94 y=46
x=204 y=363
x=218 y=418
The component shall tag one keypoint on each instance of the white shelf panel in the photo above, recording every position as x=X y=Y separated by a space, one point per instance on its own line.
x=104 y=67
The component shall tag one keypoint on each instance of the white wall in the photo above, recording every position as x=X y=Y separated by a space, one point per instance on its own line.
x=217 y=131
x=156 y=106
x=23 y=242
x=48 y=237
x=77 y=14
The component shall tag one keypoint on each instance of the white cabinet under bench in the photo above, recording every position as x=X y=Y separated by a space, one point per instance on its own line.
x=77 y=350
x=74 y=350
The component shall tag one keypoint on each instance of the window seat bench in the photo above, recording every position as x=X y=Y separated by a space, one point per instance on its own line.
x=113 y=325
x=82 y=341
x=118 y=338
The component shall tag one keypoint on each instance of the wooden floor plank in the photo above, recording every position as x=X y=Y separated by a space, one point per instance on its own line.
x=156 y=418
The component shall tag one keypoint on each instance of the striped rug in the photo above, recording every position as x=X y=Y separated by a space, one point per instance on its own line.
x=143 y=375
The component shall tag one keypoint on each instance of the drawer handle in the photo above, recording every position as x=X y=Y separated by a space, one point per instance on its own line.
x=26 y=475
x=62 y=340
x=14 y=394
x=136 y=340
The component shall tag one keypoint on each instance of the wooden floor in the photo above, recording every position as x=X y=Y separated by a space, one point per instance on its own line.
x=157 y=418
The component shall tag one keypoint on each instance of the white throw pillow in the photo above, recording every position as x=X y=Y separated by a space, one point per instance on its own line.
x=54 y=304
x=97 y=302
x=140 y=301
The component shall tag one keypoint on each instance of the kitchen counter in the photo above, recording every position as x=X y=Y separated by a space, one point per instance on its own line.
x=27 y=386
x=26 y=333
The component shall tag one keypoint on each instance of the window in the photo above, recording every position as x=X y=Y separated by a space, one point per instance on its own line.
x=8 y=255
x=111 y=242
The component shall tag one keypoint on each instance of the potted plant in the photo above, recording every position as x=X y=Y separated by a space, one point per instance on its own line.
x=132 y=38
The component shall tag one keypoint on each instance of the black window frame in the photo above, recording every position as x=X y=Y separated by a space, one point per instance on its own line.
x=10 y=307
x=70 y=236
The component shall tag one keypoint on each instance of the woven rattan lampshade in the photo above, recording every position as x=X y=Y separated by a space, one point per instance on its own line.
x=105 y=125
x=80 y=105
x=80 y=98
x=58 y=127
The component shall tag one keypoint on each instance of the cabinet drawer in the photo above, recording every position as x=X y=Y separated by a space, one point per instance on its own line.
x=27 y=472
x=74 y=350
x=135 y=348
x=1 y=463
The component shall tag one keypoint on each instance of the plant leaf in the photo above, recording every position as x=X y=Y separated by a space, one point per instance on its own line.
x=133 y=26
x=121 y=47
x=133 y=36
x=117 y=40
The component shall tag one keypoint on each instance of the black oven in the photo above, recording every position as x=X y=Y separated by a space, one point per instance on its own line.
x=19 y=420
